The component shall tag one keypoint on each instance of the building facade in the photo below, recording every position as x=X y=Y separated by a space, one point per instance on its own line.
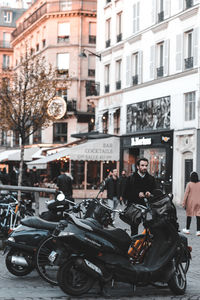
x=60 y=31
x=149 y=84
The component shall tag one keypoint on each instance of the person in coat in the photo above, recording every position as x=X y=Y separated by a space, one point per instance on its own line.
x=191 y=202
x=122 y=186
x=64 y=183
x=138 y=186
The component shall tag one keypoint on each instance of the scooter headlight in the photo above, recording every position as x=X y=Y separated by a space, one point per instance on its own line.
x=11 y=239
x=65 y=233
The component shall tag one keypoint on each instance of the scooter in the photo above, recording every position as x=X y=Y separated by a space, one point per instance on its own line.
x=101 y=255
x=24 y=240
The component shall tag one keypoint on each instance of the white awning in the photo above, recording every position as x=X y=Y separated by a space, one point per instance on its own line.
x=5 y=154
x=28 y=152
x=93 y=150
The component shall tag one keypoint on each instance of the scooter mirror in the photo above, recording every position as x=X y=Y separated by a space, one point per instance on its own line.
x=60 y=197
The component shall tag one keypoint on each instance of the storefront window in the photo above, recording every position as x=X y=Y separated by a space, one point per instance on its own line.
x=130 y=158
x=93 y=175
x=77 y=171
x=157 y=161
x=107 y=167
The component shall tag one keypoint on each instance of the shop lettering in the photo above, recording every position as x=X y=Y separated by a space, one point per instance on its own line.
x=98 y=150
x=140 y=142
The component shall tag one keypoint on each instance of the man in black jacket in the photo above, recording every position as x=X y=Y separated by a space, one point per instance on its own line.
x=139 y=185
x=64 y=183
x=112 y=186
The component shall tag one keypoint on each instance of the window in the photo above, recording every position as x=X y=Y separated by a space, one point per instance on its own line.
x=118 y=74
x=62 y=93
x=117 y=122
x=188 y=3
x=92 y=33
x=16 y=138
x=3 y=137
x=65 y=5
x=91 y=65
x=60 y=132
x=135 y=68
x=37 y=47
x=37 y=136
x=136 y=17
x=189 y=50
x=108 y=33
x=190 y=103
x=119 y=27
x=160 y=11
x=6 y=61
x=160 y=59
x=7 y=16
x=43 y=43
x=63 y=32
x=107 y=78
x=105 y=122
x=63 y=64
x=6 y=40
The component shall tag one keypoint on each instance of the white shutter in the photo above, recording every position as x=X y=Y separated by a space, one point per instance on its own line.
x=195 y=46
x=63 y=29
x=166 y=58
x=154 y=11
x=166 y=9
x=134 y=18
x=63 y=61
x=138 y=16
x=128 y=70
x=196 y=1
x=140 y=60
x=179 y=52
x=152 y=62
x=181 y=5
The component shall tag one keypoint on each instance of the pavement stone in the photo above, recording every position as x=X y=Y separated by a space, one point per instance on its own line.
x=33 y=287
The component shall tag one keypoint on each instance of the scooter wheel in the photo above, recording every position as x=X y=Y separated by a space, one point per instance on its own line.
x=73 y=281
x=178 y=282
x=17 y=269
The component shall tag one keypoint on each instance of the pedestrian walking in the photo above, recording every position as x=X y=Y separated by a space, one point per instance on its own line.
x=122 y=185
x=14 y=176
x=64 y=183
x=191 y=202
x=112 y=187
x=139 y=185
x=34 y=177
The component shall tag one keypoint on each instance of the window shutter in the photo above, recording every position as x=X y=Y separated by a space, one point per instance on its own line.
x=153 y=12
x=166 y=58
x=134 y=18
x=128 y=70
x=152 y=63
x=166 y=9
x=63 y=61
x=195 y=46
x=181 y=5
x=140 y=58
x=179 y=54
x=138 y=16
x=63 y=29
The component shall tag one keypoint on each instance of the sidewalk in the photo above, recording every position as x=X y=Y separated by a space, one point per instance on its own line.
x=33 y=287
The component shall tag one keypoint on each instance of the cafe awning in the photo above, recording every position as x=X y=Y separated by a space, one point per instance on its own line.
x=4 y=155
x=28 y=153
x=93 y=150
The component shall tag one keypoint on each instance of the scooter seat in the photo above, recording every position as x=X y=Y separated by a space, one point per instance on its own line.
x=38 y=223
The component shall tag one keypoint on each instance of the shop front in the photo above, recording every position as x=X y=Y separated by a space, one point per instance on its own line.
x=157 y=147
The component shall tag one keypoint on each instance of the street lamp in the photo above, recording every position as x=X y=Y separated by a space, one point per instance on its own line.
x=82 y=54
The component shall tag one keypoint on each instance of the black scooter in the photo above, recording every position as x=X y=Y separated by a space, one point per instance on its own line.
x=102 y=255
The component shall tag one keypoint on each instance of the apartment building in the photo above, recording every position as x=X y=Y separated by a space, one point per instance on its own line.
x=61 y=30
x=149 y=84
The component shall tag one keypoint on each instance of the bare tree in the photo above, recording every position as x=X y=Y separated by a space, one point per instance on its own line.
x=24 y=97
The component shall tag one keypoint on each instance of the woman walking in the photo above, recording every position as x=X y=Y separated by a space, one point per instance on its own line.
x=191 y=202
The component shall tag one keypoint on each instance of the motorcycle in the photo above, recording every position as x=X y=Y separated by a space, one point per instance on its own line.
x=101 y=255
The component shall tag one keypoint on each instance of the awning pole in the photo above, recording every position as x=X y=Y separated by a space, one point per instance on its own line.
x=85 y=178
x=101 y=171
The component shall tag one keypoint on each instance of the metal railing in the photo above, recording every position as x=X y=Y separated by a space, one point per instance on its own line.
x=35 y=190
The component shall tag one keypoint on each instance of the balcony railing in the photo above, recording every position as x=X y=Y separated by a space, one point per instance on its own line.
x=107 y=88
x=54 y=7
x=188 y=62
x=108 y=43
x=5 y=44
x=135 y=79
x=161 y=16
x=92 y=88
x=91 y=72
x=71 y=105
x=62 y=73
x=63 y=39
x=160 y=71
x=119 y=37
x=92 y=39
x=118 y=85
x=188 y=3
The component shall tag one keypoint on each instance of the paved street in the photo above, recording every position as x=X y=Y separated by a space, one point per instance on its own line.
x=33 y=287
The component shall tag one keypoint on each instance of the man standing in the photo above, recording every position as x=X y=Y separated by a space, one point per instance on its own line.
x=64 y=183
x=34 y=178
x=112 y=186
x=139 y=185
x=122 y=185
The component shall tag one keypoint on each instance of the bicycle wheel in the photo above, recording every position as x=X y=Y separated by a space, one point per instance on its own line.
x=47 y=258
